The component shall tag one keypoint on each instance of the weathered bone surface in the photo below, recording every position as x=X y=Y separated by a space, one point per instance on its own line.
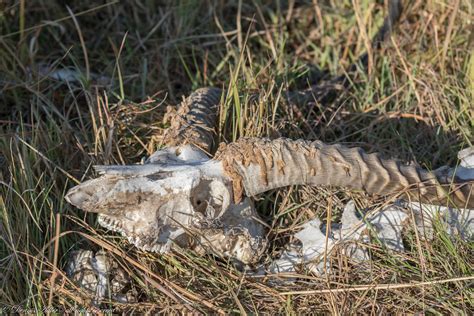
x=100 y=275
x=313 y=246
x=180 y=196
x=257 y=165
x=153 y=206
x=454 y=221
x=238 y=234
x=385 y=226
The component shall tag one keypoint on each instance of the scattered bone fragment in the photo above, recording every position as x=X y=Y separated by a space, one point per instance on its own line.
x=313 y=240
x=353 y=234
x=100 y=275
x=456 y=222
x=63 y=74
x=183 y=153
x=385 y=225
x=466 y=157
x=465 y=170
x=287 y=262
x=313 y=246
x=388 y=225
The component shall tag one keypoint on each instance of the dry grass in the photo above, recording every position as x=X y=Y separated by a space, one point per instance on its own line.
x=135 y=57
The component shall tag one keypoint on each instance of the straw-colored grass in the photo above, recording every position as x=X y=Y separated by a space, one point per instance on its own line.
x=134 y=58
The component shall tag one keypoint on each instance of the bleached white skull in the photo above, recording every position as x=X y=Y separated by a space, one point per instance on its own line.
x=182 y=199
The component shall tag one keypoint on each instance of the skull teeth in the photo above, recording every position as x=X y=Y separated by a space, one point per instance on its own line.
x=145 y=244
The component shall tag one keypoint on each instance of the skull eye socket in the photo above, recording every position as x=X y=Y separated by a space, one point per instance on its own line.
x=199 y=204
x=210 y=198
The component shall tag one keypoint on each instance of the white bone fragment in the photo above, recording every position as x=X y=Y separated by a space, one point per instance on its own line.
x=286 y=263
x=313 y=240
x=102 y=268
x=465 y=170
x=386 y=224
x=466 y=156
x=352 y=234
x=313 y=247
x=187 y=153
x=100 y=275
x=456 y=222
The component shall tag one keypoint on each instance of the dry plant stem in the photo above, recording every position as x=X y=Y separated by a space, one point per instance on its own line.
x=195 y=120
x=319 y=91
x=257 y=165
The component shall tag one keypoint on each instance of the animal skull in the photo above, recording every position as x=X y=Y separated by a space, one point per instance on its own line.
x=170 y=199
